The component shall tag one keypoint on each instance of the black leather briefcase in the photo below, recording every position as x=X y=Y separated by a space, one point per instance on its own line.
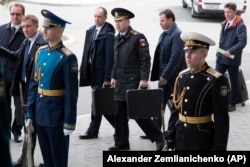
x=144 y=103
x=103 y=101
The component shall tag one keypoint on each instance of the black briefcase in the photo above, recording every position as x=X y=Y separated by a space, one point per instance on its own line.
x=242 y=95
x=242 y=89
x=103 y=101
x=144 y=103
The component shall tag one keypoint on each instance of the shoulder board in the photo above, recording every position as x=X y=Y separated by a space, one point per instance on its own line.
x=214 y=73
x=134 y=32
x=66 y=51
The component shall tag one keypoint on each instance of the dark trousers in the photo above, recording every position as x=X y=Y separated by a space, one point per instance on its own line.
x=122 y=128
x=8 y=100
x=18 y=120
x=54 y=146
x=95 y=123
x=167 y=91
x=233 y=76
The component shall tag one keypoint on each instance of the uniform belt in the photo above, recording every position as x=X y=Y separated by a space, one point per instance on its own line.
x=45 y=92
x=195 y=120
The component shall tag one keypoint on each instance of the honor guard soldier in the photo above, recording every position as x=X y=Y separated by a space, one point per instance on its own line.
x=131 y=70
x=53 y=93
x=200 y=119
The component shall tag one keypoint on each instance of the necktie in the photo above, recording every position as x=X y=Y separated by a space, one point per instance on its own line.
x=226 y=27
x=25 y=59
x=92 y=46
x=12 y=32
x=95 y=34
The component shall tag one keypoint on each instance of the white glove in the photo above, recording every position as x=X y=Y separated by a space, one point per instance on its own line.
x=29 y=126
x=67 y=132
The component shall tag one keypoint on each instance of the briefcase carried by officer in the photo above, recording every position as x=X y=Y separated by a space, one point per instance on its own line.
x=103 y=101
x=144 y=103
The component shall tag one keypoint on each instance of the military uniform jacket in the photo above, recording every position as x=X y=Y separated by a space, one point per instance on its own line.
x=206 y=94
x=131 y=62
x=53 y=89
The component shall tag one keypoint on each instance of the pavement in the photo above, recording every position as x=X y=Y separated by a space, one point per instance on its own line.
x=88 y=153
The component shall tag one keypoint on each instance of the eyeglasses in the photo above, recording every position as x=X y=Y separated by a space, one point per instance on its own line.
x=17 y=14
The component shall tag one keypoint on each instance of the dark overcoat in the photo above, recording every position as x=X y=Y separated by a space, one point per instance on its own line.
x=131 y=62
x=12 y=44
x=169 y=57
x=102 y=54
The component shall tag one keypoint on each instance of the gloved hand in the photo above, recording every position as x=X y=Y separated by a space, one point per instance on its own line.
x=67 y=132
x=29 y=126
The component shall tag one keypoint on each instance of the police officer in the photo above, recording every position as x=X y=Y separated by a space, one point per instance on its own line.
x=53 y=93
x=130 y=70
x=200 y=120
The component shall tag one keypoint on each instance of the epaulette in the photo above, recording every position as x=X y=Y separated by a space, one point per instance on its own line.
x=214 y=73
x=66 y=51
x=133 y=32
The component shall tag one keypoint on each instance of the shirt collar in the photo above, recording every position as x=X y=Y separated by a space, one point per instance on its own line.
x=231 y=21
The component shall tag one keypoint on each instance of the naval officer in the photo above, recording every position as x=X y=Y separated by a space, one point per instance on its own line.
x=200 y=120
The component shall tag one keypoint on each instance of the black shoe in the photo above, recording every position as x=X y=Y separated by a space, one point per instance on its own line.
x=87 y=136
x=144 y=137
x=41 y=165
x=19 y=163
x=160 y=144
x=18 y=138
x=117 y=148
x=231 y=108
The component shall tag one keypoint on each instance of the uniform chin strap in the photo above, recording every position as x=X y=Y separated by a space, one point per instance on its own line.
x=178 y=100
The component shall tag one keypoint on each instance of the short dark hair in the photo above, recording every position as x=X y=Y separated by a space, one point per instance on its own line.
x=31 y=17
x=231 y=5
x=168 y=14
x=18 y=5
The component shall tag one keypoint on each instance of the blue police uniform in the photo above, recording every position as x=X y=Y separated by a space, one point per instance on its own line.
x=52 y=98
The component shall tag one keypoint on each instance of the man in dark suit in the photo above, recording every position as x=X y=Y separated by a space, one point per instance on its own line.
x=24 y=57
x=97 y=62
x=11 y=37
